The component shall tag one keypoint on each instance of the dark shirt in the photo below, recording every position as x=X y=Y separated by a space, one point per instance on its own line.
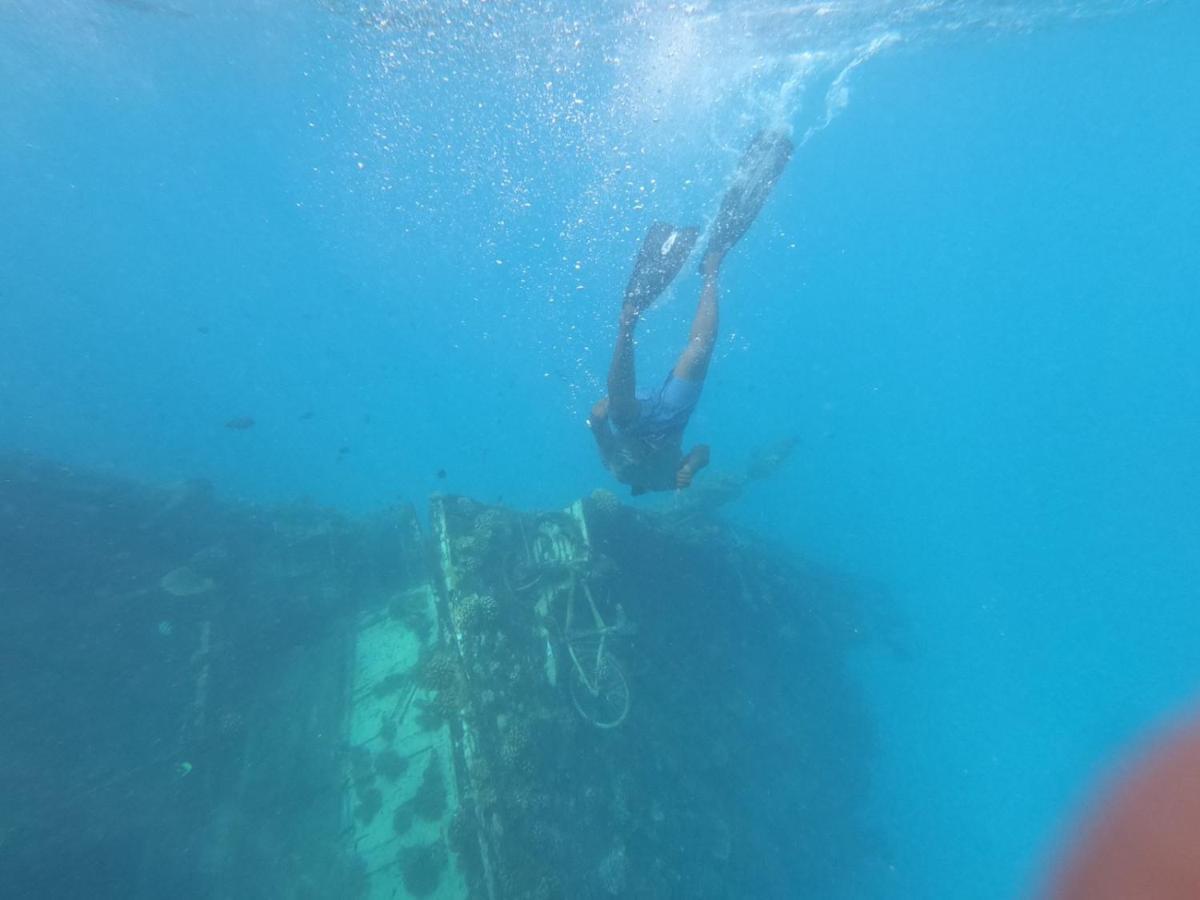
x=646 y=462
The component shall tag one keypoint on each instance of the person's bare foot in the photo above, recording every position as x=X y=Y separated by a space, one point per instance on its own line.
x=599 y=414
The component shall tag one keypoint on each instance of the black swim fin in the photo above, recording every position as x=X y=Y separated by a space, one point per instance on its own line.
x=663 y=254
x=757 y=172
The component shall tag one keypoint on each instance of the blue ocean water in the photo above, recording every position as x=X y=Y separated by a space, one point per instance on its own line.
x=394 y=236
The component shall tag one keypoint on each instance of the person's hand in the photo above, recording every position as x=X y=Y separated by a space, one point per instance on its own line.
x=696 y=460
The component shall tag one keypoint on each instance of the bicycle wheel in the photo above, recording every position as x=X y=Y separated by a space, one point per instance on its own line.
x=601 y=696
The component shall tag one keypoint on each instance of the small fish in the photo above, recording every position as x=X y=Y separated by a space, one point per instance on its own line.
x=240 y=423
x=203 y=329
x=306 y=415
x=441 y=474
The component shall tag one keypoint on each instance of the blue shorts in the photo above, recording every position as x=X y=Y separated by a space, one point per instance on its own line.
x=666 y=409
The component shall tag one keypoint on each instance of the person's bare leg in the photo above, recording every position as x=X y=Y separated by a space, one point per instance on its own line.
x=622 y=380
x=692 y=364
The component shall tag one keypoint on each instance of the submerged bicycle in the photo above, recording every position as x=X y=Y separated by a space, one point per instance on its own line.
x=598 y=687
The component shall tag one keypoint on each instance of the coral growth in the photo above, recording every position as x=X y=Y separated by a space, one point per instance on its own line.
x=437 y=670
x=604 y=501
x=466 y=550
x=490 y=524
x=515 y=743
x=390 y=764
x=429 y=716
x=402 y=819
x=429 y=802
x=387 y=731
x=471 y=611
x=422 y=867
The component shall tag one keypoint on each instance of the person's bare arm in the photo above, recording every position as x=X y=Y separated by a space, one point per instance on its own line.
x=601 y=430
x=696 y=460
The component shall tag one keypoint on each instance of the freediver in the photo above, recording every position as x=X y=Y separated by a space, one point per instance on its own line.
x=639 y=433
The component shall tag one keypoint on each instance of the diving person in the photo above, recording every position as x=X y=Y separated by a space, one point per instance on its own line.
x=640 y=434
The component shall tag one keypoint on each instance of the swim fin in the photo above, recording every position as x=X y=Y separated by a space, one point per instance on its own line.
x=757 y=172
x=663 y=254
